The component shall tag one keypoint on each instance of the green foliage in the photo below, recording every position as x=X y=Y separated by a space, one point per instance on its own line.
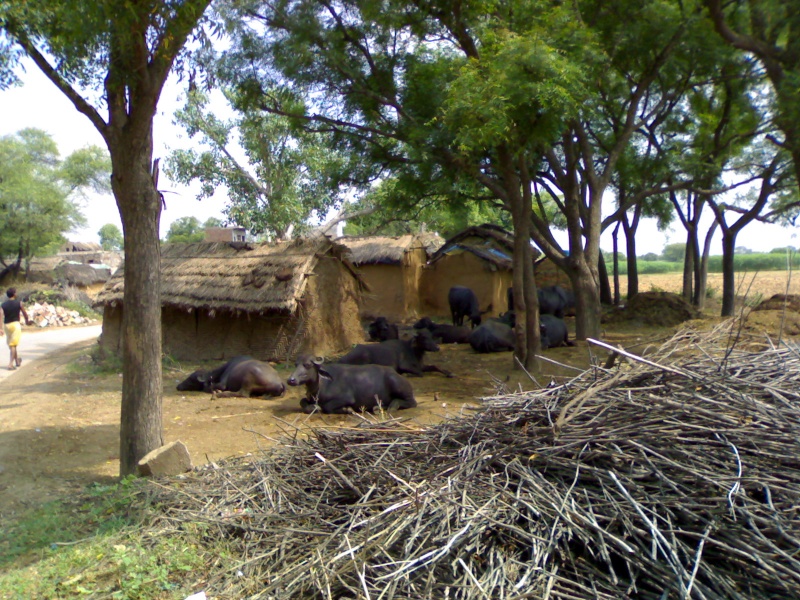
x=189 y=229
x=674 y=252
x=785 y=250
x=111 y=237
x=389 y=212
x=37 y=191
x=281 y=179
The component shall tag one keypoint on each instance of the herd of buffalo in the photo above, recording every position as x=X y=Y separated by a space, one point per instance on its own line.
x=370 y=375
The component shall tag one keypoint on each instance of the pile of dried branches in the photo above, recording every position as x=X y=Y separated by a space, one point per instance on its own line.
x=678 y=477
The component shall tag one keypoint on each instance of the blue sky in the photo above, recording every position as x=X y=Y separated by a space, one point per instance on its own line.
x=37 y=103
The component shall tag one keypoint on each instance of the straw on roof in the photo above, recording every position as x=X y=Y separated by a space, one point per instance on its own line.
x=237 y=277
x=490 y=242
x=385 y=250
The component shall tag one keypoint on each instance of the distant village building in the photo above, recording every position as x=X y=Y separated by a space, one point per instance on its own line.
x=271 y=301
x=225 y=234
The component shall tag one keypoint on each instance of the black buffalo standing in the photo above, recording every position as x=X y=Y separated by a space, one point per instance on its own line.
x=339 y=388
x=241 y=376
x=554 y=300
x=448 y=334
x=464 y=303
x=492 y=336
x=404 y=356
x=381 y=330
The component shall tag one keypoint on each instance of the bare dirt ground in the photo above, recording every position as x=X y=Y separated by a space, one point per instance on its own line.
x=59 y=420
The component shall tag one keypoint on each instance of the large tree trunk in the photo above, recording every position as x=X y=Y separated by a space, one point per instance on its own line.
x=585 y=284
x=728 y=274
x=140 y=209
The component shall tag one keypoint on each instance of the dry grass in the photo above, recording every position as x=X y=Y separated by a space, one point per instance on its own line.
x=765 y=283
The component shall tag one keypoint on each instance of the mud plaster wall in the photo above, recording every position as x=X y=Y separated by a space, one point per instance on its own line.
x=331 y=309
x=393 y=289
x=466 y=269
x=325 y=323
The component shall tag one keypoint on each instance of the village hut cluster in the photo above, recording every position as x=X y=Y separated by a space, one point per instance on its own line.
x=271 y=301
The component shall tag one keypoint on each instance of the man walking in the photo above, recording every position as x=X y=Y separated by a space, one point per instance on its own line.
x=10 y=311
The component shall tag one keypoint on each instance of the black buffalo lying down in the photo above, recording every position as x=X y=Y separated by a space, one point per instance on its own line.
x=240 y=376
x=381 y=330
x=448 y=334
x=404 y=356
x=553 y=332
x=492 y=336
x=335 y=388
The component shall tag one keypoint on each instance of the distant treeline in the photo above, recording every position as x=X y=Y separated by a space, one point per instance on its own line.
x=742 y=263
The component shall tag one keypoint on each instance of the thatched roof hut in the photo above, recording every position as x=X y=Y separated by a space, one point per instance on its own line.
x=390 y=268
x=267 y=300
x=480 y=258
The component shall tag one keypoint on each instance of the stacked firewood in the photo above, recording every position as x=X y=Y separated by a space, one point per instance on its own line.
x=674 y=476
x=50 y=315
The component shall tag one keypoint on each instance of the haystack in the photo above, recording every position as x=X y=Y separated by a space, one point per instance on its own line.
x=671 y=477
x=267 y=300
x=480 y=258
x=391 y=268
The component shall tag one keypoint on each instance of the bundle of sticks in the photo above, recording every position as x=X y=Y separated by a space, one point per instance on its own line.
x=671 y=476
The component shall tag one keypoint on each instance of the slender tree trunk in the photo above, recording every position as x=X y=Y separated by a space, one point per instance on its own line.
x=140 y=209
x=689 y=264
x=603 y=284
x=728 y=273
x=526 y=301
x=614 y=237
x=633 y=264
x=701 y=283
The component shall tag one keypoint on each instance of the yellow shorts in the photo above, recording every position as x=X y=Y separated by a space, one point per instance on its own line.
x=13 y=333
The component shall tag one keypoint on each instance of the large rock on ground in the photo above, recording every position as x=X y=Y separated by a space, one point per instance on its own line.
x=172 y=459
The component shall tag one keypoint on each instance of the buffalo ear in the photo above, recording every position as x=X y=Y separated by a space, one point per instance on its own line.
x=325 y=374
x=318 y=360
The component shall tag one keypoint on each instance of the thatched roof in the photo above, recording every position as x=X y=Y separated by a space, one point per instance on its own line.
x=489 y=242
x=81 y=247
x=384 y=250
x=230 y=276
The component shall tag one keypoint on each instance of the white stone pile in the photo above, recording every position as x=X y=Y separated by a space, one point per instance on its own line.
x=49 y=315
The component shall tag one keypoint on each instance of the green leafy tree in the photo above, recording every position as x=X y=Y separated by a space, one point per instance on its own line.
x=279 y=180
x=110 y=237
x=38 y=195
x=111 y=59
x=673 y=252
x=189 y=229
x=769 y=30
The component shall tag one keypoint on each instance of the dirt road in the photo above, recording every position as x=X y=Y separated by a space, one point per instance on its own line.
x=37 y=343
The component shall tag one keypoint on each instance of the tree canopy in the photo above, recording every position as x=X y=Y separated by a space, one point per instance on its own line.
x=39 y=192
x=110 y=237
x=189 y=229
